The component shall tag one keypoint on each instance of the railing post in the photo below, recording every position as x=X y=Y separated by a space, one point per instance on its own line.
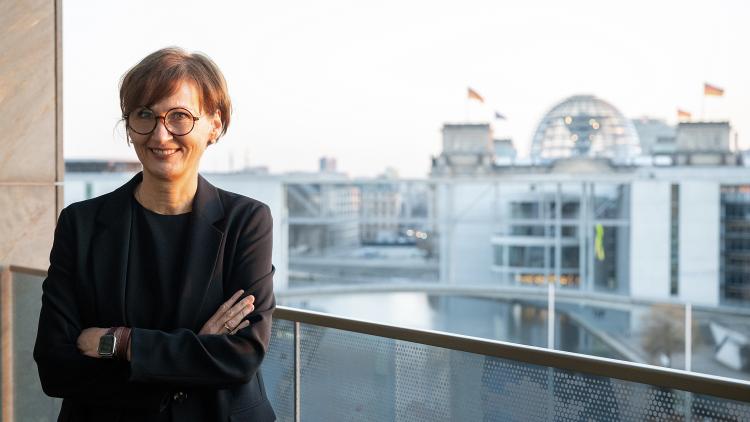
x=297 y=372
x=688 y=357
x=688 y=337
x=551 y=316
x=6 y=343
x=551 y=346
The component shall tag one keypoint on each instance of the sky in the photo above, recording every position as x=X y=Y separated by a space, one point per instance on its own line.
x=372 y=83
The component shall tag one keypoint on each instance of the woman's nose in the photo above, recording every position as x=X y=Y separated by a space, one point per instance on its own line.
x=160 y=131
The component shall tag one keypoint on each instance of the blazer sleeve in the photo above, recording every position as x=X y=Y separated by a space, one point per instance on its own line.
x=184 y=358
x=63 y=370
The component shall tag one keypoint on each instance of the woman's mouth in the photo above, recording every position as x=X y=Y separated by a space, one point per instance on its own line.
x=161 y=152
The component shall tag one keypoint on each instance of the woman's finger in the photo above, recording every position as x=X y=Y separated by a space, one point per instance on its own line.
x=218 y=316
x=238 y=308
x=242 y=325
x=228 y=304
x=237 y=318
x=214 y=325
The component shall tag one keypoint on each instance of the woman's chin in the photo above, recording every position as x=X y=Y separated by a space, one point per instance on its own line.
x=164 y=171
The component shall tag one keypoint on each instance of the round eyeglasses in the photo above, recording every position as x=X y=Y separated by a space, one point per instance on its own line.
x=178 y=121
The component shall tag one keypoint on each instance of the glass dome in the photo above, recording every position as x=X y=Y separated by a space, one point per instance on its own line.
x=585 y=126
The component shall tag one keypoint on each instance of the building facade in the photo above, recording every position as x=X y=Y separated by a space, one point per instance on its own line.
x=600 y=215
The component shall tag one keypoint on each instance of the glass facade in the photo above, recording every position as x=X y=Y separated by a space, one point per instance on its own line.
x=585 y=126
x=591 y=231
x=735 y=244
x=575 y=234
x=348 y=232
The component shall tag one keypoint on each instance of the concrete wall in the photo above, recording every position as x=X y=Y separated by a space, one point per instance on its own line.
x=650 y=239
x=699 y=242
x=30 y=130
x=466 y=253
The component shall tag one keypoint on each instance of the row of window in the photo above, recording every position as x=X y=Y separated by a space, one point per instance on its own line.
x=534 y=256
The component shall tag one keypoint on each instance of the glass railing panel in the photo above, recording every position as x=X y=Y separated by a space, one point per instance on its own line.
x=352 y=376
x=578 y=396
x=347 y=376
x=278 y=370
x=29 y=401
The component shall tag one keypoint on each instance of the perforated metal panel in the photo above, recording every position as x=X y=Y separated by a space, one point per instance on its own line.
x=348 y=376
x=278 y=370
x=30 y=403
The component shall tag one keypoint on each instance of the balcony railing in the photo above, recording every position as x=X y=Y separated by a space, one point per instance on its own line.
x=323 y=367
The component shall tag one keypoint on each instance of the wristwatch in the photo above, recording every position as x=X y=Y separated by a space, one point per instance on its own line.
x=108 y=344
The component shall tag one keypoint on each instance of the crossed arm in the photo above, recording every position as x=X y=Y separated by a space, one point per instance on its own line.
x=158 y=361
x=228 y=319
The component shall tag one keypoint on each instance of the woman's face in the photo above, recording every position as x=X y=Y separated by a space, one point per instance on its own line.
x=169 y=157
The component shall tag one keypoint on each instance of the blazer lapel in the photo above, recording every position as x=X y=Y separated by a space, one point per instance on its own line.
x=204 y=244
x=109 y=254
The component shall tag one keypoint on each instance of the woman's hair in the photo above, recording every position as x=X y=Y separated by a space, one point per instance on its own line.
x=160 y=73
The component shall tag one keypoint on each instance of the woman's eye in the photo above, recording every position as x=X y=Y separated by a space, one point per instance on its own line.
x=178 y=115
x=145 y=114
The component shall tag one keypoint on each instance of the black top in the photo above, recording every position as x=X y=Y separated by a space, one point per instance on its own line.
x=155 y=267
x=155 y=277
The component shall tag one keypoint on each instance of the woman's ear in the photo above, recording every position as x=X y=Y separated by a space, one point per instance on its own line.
x=216 y=126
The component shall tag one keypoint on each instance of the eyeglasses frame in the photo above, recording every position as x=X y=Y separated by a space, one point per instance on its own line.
x=163 y=121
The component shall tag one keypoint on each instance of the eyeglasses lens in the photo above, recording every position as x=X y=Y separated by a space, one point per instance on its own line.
x=142 y=121
x=178 y=121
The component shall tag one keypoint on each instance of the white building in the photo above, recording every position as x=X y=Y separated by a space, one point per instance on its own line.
x=586 y=217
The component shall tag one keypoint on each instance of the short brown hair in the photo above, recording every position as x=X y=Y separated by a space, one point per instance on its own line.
x=159 y=74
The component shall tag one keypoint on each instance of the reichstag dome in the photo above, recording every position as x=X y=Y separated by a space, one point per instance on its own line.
x=585 y=126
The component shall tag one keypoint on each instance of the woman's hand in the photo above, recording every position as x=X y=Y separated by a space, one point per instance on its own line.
x=230 y=314
x=88 y=341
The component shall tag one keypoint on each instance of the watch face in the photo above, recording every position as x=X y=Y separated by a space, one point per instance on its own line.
x=107 y=345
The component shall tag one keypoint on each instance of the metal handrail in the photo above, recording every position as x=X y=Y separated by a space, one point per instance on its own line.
x=27 y=270
x=727 y=388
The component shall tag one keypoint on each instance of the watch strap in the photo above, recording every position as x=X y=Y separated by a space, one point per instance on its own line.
x=122 y=334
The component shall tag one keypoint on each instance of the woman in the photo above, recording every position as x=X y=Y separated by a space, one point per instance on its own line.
x=159 y=296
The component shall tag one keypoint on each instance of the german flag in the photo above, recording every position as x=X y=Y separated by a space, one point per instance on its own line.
x=712 y=90
x=683 y=115
x=473 y=95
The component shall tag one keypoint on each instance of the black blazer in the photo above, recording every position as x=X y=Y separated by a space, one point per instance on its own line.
x=201 y=377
